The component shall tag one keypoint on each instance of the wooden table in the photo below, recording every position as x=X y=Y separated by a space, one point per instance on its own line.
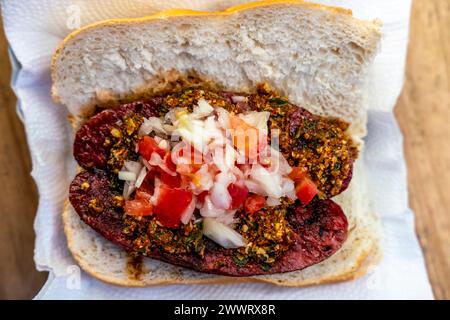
x=423 y=111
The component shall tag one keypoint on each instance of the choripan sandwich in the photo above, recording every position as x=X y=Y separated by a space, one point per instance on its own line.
x=220 y=146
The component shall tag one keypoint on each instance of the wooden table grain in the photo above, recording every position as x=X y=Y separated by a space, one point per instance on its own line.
x=423 y=111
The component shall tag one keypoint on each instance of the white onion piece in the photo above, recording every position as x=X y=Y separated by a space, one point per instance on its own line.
x=224 y=158
x=191 y=129
x=133 y=166
x=225 y=178
x=256 y=119
x=163 y=144
x=214 y=134
x=202 y=109
x=141 y=176
x=223 y=118
x=189 y=212
x=128 y=189
x=220 y=196
x=127 y=175
x=204 y=180
x=171 y=116
x=169 y=128
x=222 y=234
x=227 y=218
x=269 y=182
x=278 y=163
x=271 y=202
x=151 y=124
x=254 y=187
x=209 y=210
x=237 y=172
x=288 y=187
x=237 y=99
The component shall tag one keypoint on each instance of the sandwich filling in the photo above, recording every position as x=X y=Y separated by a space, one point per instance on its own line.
x=216 y=181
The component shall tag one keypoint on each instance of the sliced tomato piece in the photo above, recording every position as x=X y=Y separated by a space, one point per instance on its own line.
x=171 y=181
x=298 y=174
x=247 y=138
x=253 y=203
x=147 y=145
x=140 y=206
x=148 y=185
x=306 y=190
x=171 y=204
x=201 y=197
x=142 y=195
x=238 y=194
x=169 y=163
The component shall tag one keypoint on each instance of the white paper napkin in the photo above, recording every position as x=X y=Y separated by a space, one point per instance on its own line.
x=35 y=27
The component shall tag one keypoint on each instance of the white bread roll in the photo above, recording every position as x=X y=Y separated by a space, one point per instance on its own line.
x=317 y=56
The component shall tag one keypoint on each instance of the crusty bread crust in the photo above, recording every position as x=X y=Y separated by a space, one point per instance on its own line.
x=107 y=262
x=186 y=12
x=347 y=53
x=362 y=264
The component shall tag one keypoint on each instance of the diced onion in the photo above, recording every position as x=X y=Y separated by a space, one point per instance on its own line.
x=254 y=187
x=221 y=234
x=189 y=212
x=209 y=210
x=127 y=175
x=227 y=218
x=163 y=144
x=220 y=196
x=271 y=202
x=288 y=188
x=141 y=176
x=151 y=124
x=237 y=99
x=269 y=182
x=133 y=166
x=202 y=110
x=128 y=189
x=224 y=158
x=223 y=118
x=256 y=119
x=205 y=129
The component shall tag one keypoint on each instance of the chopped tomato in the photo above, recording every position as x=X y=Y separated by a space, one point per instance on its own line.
x=247 y=138
x=147 y=145
x=142 y=195
x=201 y=197
x=140 y=206
x=169 y=163
x=254 y=203
x=171 y=204
x=298 y=174
x=171 y=181
x=306 y=190
x=238 y=194
x=148 y=183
